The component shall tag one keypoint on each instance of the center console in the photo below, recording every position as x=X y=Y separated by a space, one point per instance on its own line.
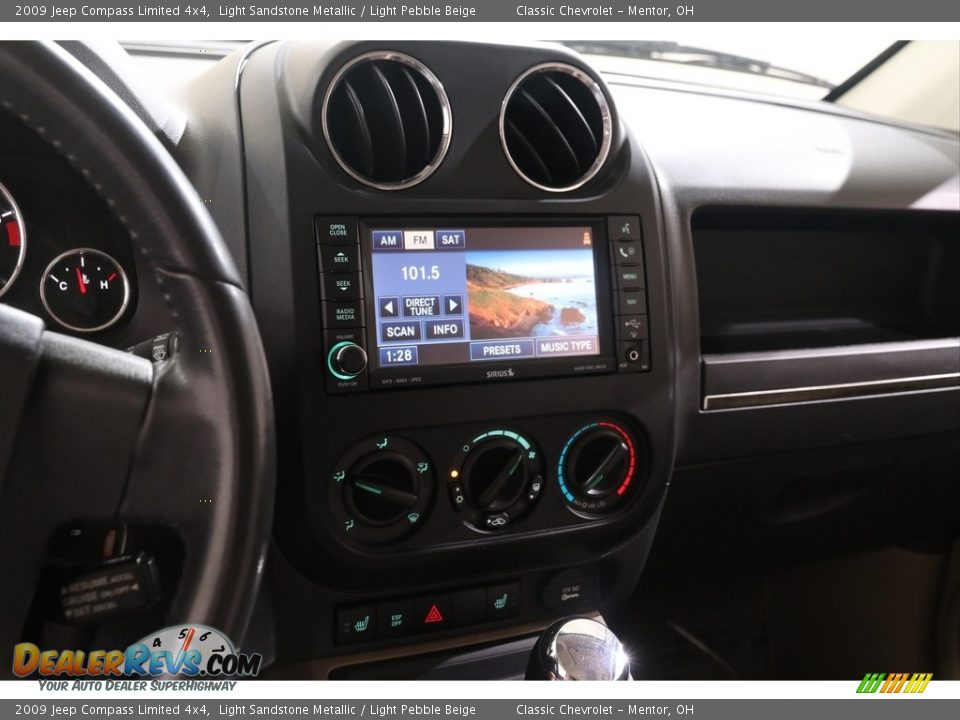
x=473 y=380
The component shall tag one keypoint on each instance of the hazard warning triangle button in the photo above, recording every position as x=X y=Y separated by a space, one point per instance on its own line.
x=434 y=611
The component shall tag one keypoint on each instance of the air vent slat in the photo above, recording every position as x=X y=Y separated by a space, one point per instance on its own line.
x=552 y=145
x=387 y=120
x=363 y=146
x=557 y=114
x=571 y=118
x=526 y=154
x=389 y=141
x=418 y=124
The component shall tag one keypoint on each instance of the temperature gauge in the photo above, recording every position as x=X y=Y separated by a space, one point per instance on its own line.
x=85 y=290
x=13 y=240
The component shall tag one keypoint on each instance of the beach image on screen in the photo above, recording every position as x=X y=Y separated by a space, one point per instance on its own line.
x=531 y=293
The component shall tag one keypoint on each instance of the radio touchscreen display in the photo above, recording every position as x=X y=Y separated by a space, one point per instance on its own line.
x=456 y=295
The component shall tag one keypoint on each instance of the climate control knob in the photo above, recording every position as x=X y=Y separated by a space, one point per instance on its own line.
x=496 y=477
x=597 y=466
x=380 y=490
x=346 y=360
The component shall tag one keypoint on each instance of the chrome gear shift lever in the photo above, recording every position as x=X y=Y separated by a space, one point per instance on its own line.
x=578 y=649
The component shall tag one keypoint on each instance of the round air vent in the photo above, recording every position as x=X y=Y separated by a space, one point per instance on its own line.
x=556 y=127
x=387 y=120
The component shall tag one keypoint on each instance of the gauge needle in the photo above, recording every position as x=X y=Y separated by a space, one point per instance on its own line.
x=83 y=288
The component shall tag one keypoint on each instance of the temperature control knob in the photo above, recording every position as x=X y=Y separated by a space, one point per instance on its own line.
x=496 y=477
x=346 y=360
x=380 y=490
x=597 y=466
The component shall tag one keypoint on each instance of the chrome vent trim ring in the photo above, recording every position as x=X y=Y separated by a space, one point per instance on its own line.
x=446 y=115
x=606 y=141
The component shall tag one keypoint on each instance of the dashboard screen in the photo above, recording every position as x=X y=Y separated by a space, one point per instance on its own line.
x=456 y=295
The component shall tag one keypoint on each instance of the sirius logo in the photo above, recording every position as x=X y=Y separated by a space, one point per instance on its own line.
x=493 y=374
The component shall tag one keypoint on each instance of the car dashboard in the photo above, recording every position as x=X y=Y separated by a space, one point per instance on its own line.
x=522 y=319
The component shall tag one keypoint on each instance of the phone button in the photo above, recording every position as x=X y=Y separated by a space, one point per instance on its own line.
x=627 y=252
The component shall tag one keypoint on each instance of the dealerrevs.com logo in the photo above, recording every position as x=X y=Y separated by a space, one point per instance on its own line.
x=182 y=650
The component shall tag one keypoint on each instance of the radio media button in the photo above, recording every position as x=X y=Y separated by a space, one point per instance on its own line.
x=421 y=306
x=388 y=240
x=501 y=349
x=343 y=314
x=633 y=327
x=625 y=227
x=336 y=229
x=627 y=252
x=630 y=276
x=631 y=302
x=339 y=258
x=400 y=331
x=443 y=329
x=341 y=286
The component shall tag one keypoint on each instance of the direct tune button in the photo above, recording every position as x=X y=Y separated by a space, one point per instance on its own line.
x=346 y=360
x=495 y=478
x=597 y=466
x=380 y=490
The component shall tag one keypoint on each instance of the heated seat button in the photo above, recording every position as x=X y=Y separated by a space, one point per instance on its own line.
x=503 y=601
x=432 y=612
x=395 y=618
x=339 y=258
x=356 y=624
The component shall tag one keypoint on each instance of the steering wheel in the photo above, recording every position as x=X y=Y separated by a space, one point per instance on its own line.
x=89 y=432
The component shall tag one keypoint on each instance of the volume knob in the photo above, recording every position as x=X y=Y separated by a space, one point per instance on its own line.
x=346 y=360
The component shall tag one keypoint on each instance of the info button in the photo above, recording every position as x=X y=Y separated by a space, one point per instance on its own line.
x=443 y=329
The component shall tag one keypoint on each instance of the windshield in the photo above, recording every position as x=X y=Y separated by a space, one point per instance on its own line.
x=757 y=65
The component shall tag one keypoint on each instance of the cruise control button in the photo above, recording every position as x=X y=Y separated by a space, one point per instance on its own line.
x=631 y=302
x=503 y=601
x=339 y=258
x=336 y=229
x=356 y=624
